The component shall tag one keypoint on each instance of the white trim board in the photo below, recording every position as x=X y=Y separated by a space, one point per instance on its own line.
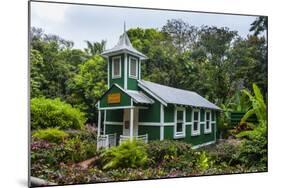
x=108 y=74
x=161 y=122
x=113 y=123
x=114 y=108
x=204 y=144
x=125 y=72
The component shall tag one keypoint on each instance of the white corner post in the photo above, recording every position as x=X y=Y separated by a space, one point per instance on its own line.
x=99 y=122
x=162 y=122
x=131 y=123
x=108 y=84
x=139 y=69
x=104 y=122
x=125 y=71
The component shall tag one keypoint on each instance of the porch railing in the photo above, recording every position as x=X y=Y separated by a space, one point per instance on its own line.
x=106 y=141
x=143 y=138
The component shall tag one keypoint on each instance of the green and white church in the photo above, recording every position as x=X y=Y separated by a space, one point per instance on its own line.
x=133 y=108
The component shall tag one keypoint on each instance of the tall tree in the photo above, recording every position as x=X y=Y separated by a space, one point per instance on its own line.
x=88 y=85
x=212 y=48
x=182 y=33
x=94 y=48
x=259 y=25
x=59 y=62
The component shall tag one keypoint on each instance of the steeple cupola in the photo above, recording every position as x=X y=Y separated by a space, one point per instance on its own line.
x=124 y=63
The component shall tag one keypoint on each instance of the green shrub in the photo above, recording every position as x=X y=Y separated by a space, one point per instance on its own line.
x=203 y=161
x=225 y=152
x=83 y=134
x=70 y=151
x=50 y=134
x=77 y=150
x=185 y=163
x=167 y=149
x=46 y=113
x=253 y=153
x=127 y=155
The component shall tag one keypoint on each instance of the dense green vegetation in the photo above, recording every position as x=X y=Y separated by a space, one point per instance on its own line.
x=46 y=113
x=225 y=68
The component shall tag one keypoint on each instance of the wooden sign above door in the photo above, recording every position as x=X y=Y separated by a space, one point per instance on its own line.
x=113 y=98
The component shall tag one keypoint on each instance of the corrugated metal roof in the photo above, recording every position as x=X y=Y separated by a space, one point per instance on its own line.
x=124 y=45
x=178 y=96
x=140 y=97
x=137 y=96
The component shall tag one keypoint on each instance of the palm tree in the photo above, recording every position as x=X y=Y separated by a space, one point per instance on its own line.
x=95 y=48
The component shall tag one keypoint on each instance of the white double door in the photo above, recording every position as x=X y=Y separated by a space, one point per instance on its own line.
x=126 y=122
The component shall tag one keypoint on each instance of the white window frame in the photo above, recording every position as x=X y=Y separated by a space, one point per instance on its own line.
x=179 y=134
x=195 y=132
x=112 y=67
x=137 y=67
x=207 y=131
x=214 y=121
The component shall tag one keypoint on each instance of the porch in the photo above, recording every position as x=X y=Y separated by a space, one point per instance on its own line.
x=120 y=110
x=109 y=140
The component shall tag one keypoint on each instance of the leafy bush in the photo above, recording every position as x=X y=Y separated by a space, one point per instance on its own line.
x=77 y=150
x=83 y=134
x=185 y=163
x=225 y=152
x=253 y=153
x=127 y=155
x=167 y=149
x=46 y=113
x=50 y=134
x=202 y=161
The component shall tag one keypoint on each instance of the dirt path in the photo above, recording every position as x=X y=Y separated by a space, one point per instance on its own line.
x=85 y=164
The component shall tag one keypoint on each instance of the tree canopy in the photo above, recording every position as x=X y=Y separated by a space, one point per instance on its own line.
x=215 y=62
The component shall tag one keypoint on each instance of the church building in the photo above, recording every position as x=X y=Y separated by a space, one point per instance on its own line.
x=133 y=108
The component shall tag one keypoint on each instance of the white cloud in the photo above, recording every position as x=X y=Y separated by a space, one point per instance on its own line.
x=49 y=12
x=95 y=23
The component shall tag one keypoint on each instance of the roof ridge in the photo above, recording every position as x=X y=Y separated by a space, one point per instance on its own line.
x=172 y=87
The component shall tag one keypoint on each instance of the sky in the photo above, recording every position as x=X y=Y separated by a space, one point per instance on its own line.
x=95 y=23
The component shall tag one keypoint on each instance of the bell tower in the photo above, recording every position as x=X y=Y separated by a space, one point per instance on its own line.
x=124 y=64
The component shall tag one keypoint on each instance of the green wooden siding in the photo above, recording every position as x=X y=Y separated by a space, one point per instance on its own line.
x=119 y=81
x=132 y=83
x=188 y=116
x=169 y=132
x=152 y=131
x=152 y=114
x=111 y=129
x=125 y=99
x=114 y=115
x=194 y=140
x=200 y=139
x=202 y=115
x=169 y=113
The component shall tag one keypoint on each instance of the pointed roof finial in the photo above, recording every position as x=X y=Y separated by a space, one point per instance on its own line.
x=124 y=27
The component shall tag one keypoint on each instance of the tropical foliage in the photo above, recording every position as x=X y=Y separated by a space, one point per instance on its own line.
x=126 y=155
x=46 y=113
x=216 y=62
x=50 y=134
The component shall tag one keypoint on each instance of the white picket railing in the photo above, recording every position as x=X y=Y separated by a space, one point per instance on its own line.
x=106 y=141
x=143 y=138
